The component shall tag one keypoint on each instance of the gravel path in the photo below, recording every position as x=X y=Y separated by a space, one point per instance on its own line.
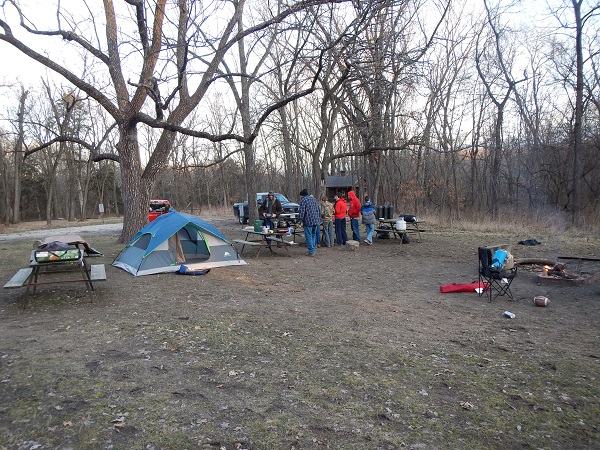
x=108 y=228
x=224 y=224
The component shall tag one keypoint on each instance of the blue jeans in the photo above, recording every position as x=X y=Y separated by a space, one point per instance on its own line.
x=369 y=229
x=328 y=234
x=355 y=230
x=340 y=231
x=310 y=234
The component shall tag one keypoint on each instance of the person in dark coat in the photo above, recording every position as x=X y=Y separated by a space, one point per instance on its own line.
x=310 y=217
x=270 y=210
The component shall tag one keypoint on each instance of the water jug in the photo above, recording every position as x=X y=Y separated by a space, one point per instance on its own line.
x=400 y=224
x=258 y=225
x=498 y=258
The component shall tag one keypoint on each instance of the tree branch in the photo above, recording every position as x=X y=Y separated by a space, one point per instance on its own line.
x=96 y=157
x=96 y=94
x=214 y=163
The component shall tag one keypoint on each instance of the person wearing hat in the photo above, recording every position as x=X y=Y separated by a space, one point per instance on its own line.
x=270 y=209
x=310 y=217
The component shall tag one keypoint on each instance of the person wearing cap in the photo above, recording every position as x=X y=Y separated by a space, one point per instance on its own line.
x=269 y=210
x=310 y=217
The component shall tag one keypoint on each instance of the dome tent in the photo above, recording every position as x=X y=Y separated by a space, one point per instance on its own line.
x=173 y=239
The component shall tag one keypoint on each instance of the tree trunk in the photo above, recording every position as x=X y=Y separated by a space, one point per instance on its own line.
x=83 y=193
x=136 y=190
x=18 y=158
x=115 y=190
x=6 y=212
x=290 y=179
x=495 y=171
x=244 y=106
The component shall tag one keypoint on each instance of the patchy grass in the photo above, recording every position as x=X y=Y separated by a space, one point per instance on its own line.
x=353 y=350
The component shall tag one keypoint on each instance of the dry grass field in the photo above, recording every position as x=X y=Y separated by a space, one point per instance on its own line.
x=347 y=350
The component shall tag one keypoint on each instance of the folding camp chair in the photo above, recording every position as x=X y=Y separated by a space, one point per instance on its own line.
x=497 y=274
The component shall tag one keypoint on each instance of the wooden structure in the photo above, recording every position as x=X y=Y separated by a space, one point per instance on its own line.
x=340 y=185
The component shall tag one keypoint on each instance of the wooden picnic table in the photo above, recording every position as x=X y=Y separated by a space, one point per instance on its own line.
x=411 y=227
x=47 y=272
x=260 y=240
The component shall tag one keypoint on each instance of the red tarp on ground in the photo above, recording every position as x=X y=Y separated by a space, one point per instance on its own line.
x=464 y=287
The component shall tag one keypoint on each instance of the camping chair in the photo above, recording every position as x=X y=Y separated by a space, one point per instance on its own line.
x=497 y=274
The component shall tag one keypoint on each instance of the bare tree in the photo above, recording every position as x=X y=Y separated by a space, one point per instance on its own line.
x=5 y=207
x=583 y=12
x=494 y=74
x=163 y=50
x=18 y=151
x=384 y=66
x=581 y=17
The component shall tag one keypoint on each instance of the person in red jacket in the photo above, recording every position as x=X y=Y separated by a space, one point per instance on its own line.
x=353 y=213
x=339 y=215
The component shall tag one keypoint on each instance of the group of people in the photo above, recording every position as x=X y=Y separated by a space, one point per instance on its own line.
x=333 y=217
x=313 y=213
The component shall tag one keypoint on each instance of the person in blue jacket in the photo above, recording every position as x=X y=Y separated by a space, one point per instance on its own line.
x=368 y=219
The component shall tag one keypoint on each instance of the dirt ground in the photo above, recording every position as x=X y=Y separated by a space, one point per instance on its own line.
x=346 y=350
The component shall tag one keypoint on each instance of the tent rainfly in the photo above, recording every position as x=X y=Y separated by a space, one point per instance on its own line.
x=175 y=239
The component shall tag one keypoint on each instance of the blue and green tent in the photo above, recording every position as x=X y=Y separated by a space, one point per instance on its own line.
x=175 y=239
